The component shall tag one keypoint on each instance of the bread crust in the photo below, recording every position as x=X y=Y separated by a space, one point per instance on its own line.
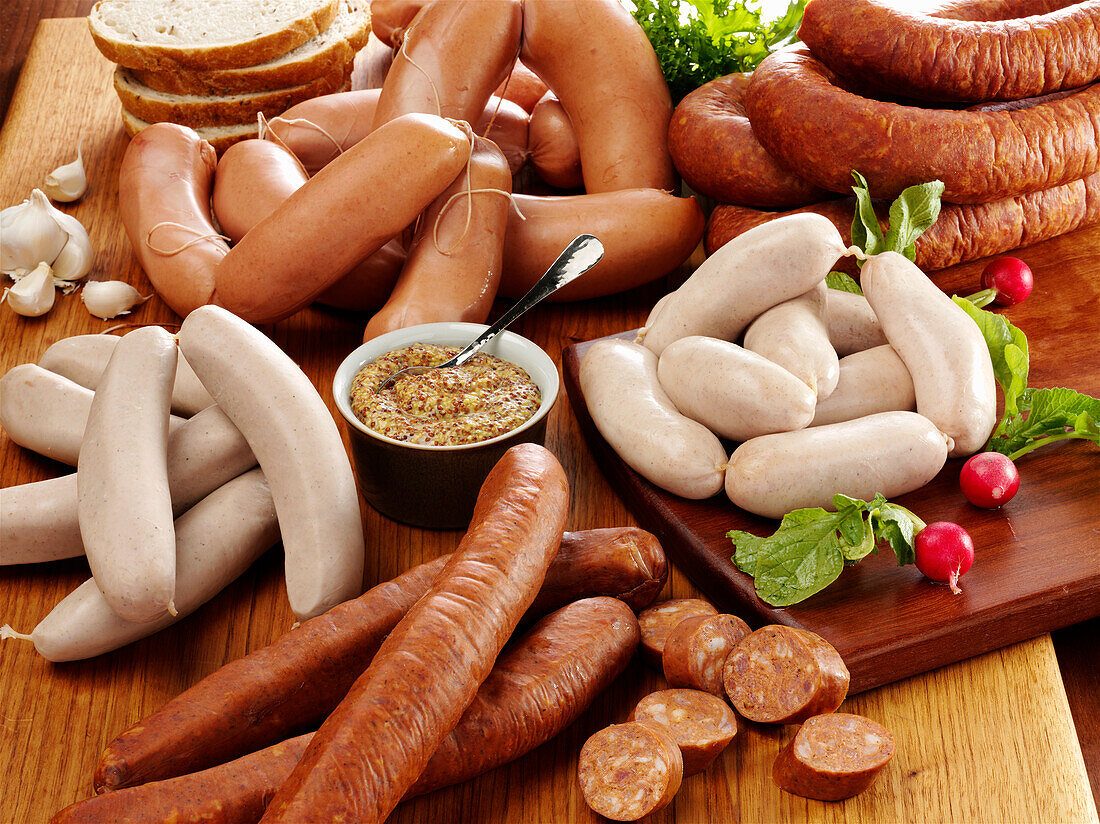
x=260 y=49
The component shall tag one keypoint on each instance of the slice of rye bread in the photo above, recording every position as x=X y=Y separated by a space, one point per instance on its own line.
x=322 y=55
x=220 y=137
x=164 y=35
x=218 y=110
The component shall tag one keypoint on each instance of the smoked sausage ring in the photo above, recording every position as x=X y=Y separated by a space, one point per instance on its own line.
x=807 y=120
x=961 y=233
x=714 y=149
x=928 y=57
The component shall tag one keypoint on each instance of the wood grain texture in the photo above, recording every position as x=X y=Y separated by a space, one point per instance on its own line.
x=1048 y=529
x=985 y=740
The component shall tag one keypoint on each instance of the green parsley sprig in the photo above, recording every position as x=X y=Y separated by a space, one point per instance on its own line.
x=697 y=41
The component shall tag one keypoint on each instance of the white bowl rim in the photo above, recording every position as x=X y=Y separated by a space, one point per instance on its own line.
x=433 y=333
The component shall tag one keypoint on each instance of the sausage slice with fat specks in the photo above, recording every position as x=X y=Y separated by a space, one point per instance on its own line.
x=696 y=650
x=430 y=666
x=782 y=675
x=662 y=618
x=627 y=771
x=702 y=724
x=833 y=756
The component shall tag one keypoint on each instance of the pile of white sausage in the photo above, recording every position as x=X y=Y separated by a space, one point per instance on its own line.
x=810 y=424
x=170 y=510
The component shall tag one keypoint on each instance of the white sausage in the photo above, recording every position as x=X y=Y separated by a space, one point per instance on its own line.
x=637 y=419
x=123 y=501
x=38 y=521
x=82 y=359
x=216 y=540
x=853 y=326
x=891 y=452
x=756 y=270
x=874 y=380
x=297 y=444
x=794 y=335
x=943 y=348
x=735 y=393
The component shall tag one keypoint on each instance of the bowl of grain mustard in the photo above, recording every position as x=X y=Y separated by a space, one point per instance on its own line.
x=422 y=448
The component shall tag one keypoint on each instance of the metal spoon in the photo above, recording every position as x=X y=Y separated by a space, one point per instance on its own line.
x=583 y=252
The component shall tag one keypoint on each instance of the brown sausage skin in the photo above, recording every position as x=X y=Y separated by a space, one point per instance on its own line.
x=367 y=286
x=537 y=688
x=293 y=683
x=390 y=18
x=336 y=122
x=164 y=187
x=453 y=270
x=430 y=666
x=253 y=179
x=961 y=233
x=716 y=152
x=522 y=87
x=805 y=118
x=646 y=233
x=832 y=757
x=291 y=256
x=621 y=121
x=552 y=143
x=929 y=57
x=431 y=75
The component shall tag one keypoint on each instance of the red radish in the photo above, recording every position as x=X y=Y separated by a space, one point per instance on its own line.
x=1010 y=279
x=989 y=479
x=944 y=551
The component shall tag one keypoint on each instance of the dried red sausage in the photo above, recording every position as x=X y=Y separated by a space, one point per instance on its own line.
x=660 y=619
x=701 y=724
x=833 y=756
x=627 y=771
x=696 y=650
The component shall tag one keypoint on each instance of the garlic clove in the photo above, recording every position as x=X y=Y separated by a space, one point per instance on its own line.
x=68 y=182
x=33 y=293
x=74 y=261
x=30 y=235
x=111 y=298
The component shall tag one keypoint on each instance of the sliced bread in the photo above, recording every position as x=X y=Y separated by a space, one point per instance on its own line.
x=218 y=110
x=220 y=137
x=163 y=35
x=323 y=55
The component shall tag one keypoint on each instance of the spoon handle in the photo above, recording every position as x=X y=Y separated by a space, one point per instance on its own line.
x=582 y=253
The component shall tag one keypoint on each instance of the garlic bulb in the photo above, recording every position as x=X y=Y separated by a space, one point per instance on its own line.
x=69 y=182
x=33 y=293
x=29 y=235
x=111 y=298
x=35 y=231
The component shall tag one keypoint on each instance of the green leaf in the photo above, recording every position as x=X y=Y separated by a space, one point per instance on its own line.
x=843 y=283
x=866 y=231
x=898 y=527
x=1008 y=351
x=804 y=561
x=746 y=547
x=1046 y=416
x=699 y=40
x=914 y=210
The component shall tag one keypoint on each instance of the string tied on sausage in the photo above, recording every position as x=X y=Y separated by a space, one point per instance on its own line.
x=264 y=132
x=422 y=70
x=200 y=237
x=468 y=194
x=855 y=251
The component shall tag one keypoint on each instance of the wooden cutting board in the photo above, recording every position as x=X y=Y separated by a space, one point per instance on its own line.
x=1037 y=564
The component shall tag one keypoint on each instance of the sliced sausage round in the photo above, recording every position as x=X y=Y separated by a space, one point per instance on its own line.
x=660 y=619
x=782 y=675
x=627 y=771
x=833 y=756
x=696 y=650
x=701 y=724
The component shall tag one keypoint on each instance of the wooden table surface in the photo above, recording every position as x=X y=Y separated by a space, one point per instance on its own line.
x=991 y=739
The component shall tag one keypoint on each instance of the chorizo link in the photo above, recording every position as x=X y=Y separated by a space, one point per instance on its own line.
x=806 y=118
x=429 y=668
x=930 y=57
x=961 y=233
x=294 y=682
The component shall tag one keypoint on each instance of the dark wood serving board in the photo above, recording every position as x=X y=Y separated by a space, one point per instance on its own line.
x=1037 y=564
